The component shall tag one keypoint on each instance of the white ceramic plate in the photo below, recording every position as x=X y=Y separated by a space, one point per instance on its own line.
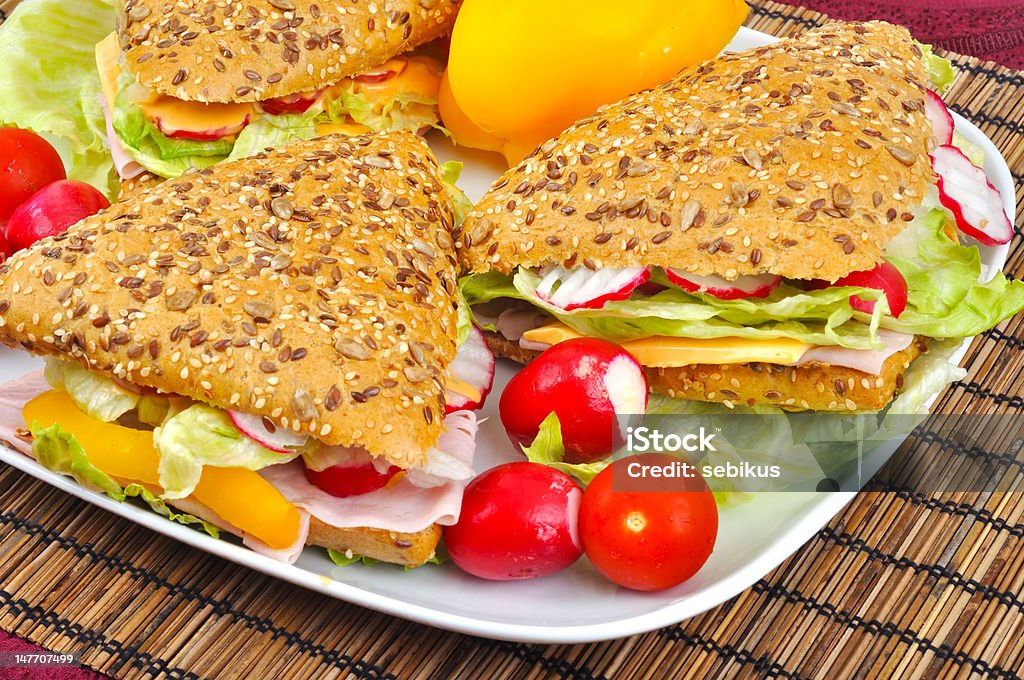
x=577 y=605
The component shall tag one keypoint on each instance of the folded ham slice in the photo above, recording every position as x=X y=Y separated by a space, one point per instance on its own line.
x=864 y=360
x=127 y=168
x=405 y=506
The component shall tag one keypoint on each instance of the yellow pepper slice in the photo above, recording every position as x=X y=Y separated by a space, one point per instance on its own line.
x=241 y=497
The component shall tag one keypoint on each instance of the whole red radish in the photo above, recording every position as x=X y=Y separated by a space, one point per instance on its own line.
x=27 y=164
x=518 y=521
x=52 y=210
x=586 y=382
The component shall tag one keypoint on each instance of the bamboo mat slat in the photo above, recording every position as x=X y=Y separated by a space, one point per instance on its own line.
x=904 y=583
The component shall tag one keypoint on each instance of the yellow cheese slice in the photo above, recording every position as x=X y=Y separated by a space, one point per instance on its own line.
x=666 y=352
x=108 y=53
x=241 y=497
x=421 y=75
x=463 y=388
x=340 y=128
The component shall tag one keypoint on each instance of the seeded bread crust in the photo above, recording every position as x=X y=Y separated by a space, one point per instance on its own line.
x=802 y=159
x=245 y=52
x=397 y=547
x=813 y=387
x=312 y=284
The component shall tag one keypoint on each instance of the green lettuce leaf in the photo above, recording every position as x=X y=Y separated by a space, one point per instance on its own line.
x=940 y=70
x=49 y=82
x=974 y=152
x=818 y=317
x=465 y=319
x=343 y=559
x=945 y=300
x=203 y=435
x=97 y=395
x=272 y=131
x=60 y=451
x=548 y=449
x=406 y=111
x=158 y=153
x=461 y=205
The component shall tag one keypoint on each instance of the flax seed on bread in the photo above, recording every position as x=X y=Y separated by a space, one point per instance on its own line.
x=312 y=284
x=245 y=52
x=803 y=159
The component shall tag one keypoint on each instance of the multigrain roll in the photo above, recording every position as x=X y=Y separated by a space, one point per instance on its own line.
x=779 y=201
x=291 y=310
x=190 y=83
x=254 y=51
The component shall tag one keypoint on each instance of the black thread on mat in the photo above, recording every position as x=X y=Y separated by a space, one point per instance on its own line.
x=1005 y=338
x=776 y=14
x=359 y=668
x=952 y=508
x=961 y=449
x=996 y=121
x=888 y=630
x=744 y=657
x=1001 y=76
x=529 y=653
x=976 y=390
x=956 y=579
x=96 y=640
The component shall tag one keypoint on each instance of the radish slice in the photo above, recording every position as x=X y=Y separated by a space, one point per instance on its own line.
x=750 y=286
x=474 y=366
x=585 y=289
x=966 y=192
x=939 y=115
x=265 y=433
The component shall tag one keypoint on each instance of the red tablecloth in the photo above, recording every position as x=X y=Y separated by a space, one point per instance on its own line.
x=987 y=29
x=12 y=644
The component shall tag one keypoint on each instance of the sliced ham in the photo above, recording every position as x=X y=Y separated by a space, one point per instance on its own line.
x=864 y=360
x=127 y=168
x=404 y=506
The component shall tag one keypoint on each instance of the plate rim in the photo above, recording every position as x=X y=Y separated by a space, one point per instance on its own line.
x=795 y=535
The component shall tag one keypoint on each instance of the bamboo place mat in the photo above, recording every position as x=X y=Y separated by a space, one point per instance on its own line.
x=905 y=582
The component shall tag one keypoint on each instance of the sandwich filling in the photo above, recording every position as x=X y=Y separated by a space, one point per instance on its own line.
x=148 y=131
x=166 y=448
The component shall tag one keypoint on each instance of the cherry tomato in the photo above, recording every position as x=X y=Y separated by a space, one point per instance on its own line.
x=27 y=164
x=587 y=382
x=51 y=210
x=351 y=478
x=518 y=521
x=647 y=540
x=293 y=103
